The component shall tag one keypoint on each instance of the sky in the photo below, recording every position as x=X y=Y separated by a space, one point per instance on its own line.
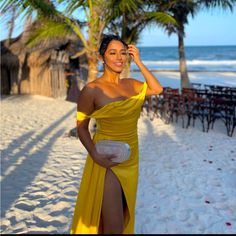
x=214 y=27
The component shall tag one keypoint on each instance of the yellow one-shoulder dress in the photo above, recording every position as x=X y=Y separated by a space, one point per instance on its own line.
x=115 y=121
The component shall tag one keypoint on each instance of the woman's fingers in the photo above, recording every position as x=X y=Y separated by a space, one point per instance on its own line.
x=134 y=52
x=106 y=160
x=109 y=158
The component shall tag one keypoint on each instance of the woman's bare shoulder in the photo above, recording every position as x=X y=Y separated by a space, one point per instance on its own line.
x=91 y=91
x=133 y=81
x=91 y=87
x=136 y=84
x=88 y=92
x=87 y=97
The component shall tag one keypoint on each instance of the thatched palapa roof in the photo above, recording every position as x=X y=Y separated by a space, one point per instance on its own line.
x=55 y=50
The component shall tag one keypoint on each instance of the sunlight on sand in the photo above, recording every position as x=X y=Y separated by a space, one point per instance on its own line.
x=187 y=179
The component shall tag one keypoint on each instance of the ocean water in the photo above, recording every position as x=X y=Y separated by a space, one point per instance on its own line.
x=199 y=58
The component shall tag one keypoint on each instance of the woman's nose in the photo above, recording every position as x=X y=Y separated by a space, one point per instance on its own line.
x=118 y=56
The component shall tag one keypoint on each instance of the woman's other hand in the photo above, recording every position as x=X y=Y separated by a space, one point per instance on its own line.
x=134 y=53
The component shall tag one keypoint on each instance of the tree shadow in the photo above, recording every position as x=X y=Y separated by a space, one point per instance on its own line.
x=14 y=182
x=8 y=157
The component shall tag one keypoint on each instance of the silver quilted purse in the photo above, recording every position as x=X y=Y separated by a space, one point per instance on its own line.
x=118 y=148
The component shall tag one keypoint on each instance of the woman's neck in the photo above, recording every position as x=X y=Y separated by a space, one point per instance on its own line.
x=111 y=77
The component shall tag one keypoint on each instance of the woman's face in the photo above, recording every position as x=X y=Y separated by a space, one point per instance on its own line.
x=115 y=56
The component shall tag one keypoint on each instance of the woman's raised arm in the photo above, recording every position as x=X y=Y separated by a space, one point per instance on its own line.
x=154 y=87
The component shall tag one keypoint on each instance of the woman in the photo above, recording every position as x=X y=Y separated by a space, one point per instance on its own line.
x=106 y=200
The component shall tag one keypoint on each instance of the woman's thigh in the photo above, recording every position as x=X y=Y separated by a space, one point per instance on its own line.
x=112 y=205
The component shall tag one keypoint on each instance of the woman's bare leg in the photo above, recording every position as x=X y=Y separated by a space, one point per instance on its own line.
x=112 y=205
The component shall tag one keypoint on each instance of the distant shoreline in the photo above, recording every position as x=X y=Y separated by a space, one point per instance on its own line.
x=176 y=46
x=171 y=78
x=190 y=71
x=201 y=71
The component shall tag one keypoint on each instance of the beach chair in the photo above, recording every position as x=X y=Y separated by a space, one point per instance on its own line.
x=148 y=107
x=166 y=108
x=197 y=106
x=156 y=105
x=233 y=124
x=222 y=109
x=177 y=108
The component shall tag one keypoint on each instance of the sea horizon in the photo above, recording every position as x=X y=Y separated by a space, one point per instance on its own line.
x=198 y=58
x=143 y=46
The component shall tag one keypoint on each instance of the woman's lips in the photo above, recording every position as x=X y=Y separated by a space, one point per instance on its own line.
x=120 y=64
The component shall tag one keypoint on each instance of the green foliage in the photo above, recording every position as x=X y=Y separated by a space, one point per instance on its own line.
x=130 y=6
x=49 y=30
x=180 y=10
x=160 y=18
x=41 y=7
x=224 y=4
x=131 y=17
x=72 y=6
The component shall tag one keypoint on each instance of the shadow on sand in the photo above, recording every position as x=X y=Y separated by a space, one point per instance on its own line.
x=14 y=182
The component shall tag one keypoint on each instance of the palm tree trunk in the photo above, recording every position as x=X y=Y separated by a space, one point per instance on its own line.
x=11 y=25
x=92 y=66
x=185 y=83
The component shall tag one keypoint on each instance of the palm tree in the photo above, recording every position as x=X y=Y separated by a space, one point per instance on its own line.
x=180 y=10
x=11 y=24
x=129 y=22
x=53 y=23
x=98 y=14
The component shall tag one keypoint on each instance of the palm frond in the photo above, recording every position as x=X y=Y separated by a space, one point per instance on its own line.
x=78 y=54
x=129 y=5
x=224 y=4
x=122 y=6
x=73 y=5
x=161 y=18
x=45 y=8
x=76 y=29
x=49 y=30
x=27 y=7
x=7 y=4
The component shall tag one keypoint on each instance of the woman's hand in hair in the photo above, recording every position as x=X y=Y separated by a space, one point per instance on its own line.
x=134 y=53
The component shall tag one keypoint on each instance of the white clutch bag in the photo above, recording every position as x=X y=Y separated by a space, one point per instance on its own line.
x=120 y=149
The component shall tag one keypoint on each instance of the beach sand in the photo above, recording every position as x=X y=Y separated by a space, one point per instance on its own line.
x=171 y=78
x=187 y=179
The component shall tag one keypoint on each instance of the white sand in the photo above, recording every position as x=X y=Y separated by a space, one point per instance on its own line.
x=171 y=78
x=187 y=181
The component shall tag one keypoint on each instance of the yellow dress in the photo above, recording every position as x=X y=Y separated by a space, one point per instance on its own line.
x=115 y=121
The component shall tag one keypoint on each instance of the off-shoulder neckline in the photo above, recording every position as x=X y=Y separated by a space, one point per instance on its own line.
x=118 y=101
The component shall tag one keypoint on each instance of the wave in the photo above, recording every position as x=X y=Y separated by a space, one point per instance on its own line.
x=193 y=62
x=192 y=65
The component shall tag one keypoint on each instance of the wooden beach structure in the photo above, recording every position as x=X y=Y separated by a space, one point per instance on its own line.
x=40 y=69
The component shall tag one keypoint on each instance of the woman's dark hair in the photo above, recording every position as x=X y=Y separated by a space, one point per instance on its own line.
x=106 y=39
